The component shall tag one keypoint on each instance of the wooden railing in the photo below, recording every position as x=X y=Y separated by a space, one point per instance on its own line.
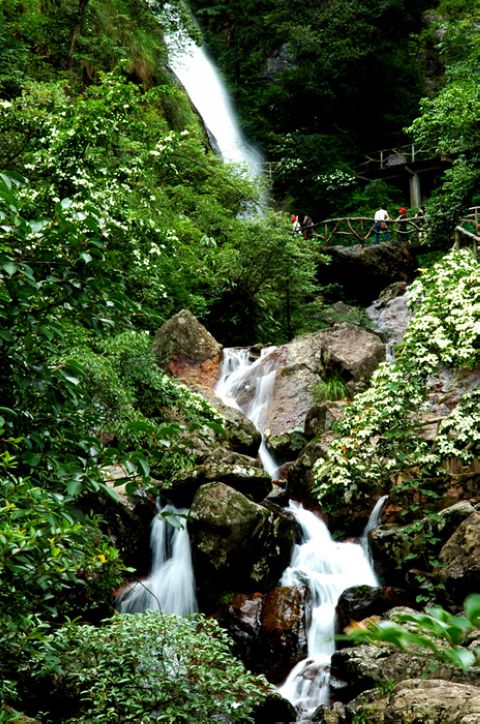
x=468 y=227
x=358 y=229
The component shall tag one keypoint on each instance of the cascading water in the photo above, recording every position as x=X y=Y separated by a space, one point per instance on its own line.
x=240 y=373
x=170 y=587
x=206 y=90
x=325 y=566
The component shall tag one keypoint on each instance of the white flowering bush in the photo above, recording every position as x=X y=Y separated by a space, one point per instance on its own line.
x=379 y=434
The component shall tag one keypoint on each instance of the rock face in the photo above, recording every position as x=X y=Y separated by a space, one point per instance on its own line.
x=237 y=545
x=390 y=316
x=460 y=557
x=269 y=630
x=350 y=352
x=187 y=350
x=415 y=701
x=362 y=272
x=360 y=602
x=235 y=470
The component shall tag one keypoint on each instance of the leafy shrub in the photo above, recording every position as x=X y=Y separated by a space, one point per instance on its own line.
x=148 y=667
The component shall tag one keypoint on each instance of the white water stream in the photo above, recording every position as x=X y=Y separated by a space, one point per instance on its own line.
x=170 y=588
x=324 y=566
x=253 y=380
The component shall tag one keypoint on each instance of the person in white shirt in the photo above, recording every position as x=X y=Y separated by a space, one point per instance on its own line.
x=380 y=218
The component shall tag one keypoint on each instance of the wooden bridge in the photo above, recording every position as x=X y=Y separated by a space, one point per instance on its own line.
x=359 y=229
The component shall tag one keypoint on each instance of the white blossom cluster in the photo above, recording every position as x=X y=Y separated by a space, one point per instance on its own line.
x=379 y=432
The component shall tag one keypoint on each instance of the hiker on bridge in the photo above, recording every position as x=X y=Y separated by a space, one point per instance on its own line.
x=308 y=227
x=380 y=227
x=402 y=225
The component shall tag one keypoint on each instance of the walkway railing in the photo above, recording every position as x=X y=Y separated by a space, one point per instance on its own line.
x=468 y=227
x=359 y=229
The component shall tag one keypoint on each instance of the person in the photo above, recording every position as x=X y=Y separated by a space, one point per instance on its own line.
x=380 y=227
x=420 y=222
x=308 y=227
x=296 y=225
x=402 y=225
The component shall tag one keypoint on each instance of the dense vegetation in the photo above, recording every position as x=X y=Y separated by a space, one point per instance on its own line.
x=115 y=214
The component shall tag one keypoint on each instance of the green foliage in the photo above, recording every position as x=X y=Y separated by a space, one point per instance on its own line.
x=435 y=632
x=333 y=388
x=380 y=432
x=147 y=666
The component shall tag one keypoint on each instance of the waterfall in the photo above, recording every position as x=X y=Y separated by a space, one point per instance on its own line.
x=170 y=587
x=327 y=568
x=247 y=385
x=206 y=90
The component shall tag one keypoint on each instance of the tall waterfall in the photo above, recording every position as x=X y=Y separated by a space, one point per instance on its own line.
x=241 y=374
x=206 y=90
x=170 y=587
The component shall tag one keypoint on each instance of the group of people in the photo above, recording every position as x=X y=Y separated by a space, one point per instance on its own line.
x=381 y=227
x=305 y=226
x=302 y=224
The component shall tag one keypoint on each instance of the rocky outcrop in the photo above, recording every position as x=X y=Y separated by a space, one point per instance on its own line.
x=415 y=701
x=350 y=352
x=220 y=465
x=321 y=416
x=365 y=667
x=360 y=602
x=390 y=316
x=269 y=630
x=460 y=558
x=362 y=272
x=187 y=350
x=237 y=545
x=286 y=447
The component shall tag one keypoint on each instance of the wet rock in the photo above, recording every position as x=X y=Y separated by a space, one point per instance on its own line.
x=460 y=558
x=187 y=350
x=269 y=630
x=235 y=470
x=275 y=710
x=390 y=317
x=394 y=551
x=242 y=435
x=286 y=447
x=300 y=475
x=360 y=602
x=363 y=272
x=237 y=545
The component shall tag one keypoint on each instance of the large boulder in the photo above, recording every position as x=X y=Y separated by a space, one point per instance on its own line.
x=460 y=558
x=360 y=602
x=363 y=272
x=220 y=465
x=414 y=700
x=187 y=350
x=269 y=630
x=237 y=545
x=364 y=667
x=350 y=352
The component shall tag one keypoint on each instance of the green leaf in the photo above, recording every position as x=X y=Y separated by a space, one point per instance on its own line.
x=74 y=488
x=472 y=608
x=10 y=268
x=31 y=459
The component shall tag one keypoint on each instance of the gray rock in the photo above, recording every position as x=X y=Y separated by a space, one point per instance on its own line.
x=350 y=352
x=237 y=545
x=460 y=557
x=220 y=465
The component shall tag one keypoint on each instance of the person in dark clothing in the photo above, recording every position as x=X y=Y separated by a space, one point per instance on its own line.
x=308 y=227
